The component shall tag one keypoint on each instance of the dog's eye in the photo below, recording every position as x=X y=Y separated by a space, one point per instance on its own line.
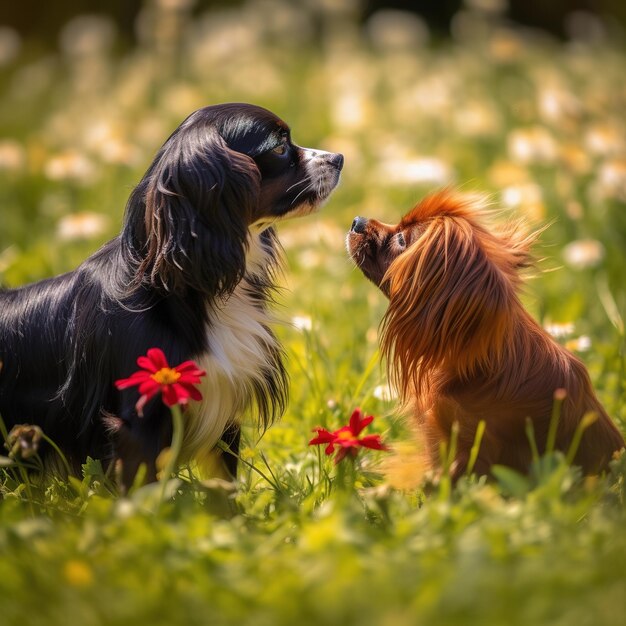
x=280 y=149
x=400 y=240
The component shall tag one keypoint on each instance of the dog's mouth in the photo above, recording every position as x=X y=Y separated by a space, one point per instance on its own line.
x=323 y=171
x=365 y=253
x=300 y=190
x=357 y=247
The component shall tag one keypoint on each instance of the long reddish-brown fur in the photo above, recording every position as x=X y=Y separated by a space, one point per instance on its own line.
x=460 y=347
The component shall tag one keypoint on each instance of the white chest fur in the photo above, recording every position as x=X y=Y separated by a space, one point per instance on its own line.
x=237 y=361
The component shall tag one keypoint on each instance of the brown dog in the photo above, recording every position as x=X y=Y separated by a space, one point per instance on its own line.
x=459 y=345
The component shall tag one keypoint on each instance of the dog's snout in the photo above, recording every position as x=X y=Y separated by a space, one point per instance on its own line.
x=358 y=225
x=321 y=157
x=336 y=160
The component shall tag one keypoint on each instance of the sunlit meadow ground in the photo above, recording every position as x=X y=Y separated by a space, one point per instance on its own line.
x=536 y=123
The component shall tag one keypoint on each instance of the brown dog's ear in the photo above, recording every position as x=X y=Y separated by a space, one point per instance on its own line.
x=450 y=304
x=513 y=249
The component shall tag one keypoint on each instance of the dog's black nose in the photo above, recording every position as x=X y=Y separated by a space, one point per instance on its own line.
x=336 y=160
x=358 y=225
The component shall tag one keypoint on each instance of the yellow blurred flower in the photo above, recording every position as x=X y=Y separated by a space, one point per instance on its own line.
x=78 y=573
x=310 y=258
x=8 y=257
x=505 y=173
x=557 y=104
x=477 y=119
x=575 y=158
x=350 y=110
x=371 y=335
x=12 y=156
x=415 y=170
x=605 y=139
x=612 y=179
x=518 y=195
x=574 y=210
x=70 y=165
x=150 y=131
x=85 y=225
x=579 y=344
x=302 y=322
x=583 y=253
x=247 y=453
x=532 y=145
x=432 y=95
x=107 y=142
x=528 y=197
x=180 y=99
x=407 y=466
x=505 y=46
x=119 y=151
x=385 y=393
x=559 y=330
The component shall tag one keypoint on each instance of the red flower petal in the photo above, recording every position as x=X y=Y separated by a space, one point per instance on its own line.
x=323 y=436
x=172 y=393
x=140 y=404
x=373 y=441
x=184 y=392
x=135 y=379
x=157 y=357
x=194 y=393
x=170 y=397
x=346 y=438
x=358 y=422
x=348 y=443
x=189 y=368
x=366 y=421
x=186 y=379
x=180 y=390
x=149 y=387
x=147 y=364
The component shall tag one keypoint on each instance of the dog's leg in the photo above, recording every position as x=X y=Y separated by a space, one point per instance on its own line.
x=231 y=438
x=136 y=443
x=488 y=454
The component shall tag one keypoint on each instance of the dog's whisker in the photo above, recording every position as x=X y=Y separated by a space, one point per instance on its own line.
x=306 y=179
x=307 y=188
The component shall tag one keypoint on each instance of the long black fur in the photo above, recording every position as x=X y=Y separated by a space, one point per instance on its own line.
x=182 y=251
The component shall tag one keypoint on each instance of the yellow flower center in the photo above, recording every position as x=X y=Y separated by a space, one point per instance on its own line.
x=345 y=435
x=166 y=376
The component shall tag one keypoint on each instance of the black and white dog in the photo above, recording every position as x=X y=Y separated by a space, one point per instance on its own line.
x=192 y=273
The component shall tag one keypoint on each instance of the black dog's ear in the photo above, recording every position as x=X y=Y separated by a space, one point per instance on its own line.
x=187 y=219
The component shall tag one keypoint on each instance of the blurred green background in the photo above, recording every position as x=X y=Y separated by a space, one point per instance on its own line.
x=42 y=21
x=467 y=97
x=459 y=93
x=522 y=100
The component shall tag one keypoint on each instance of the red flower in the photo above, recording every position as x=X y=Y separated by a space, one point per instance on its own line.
x=177 y=384
x=347 y=438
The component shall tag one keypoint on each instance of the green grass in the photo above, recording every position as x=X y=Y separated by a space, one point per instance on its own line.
x=537 y=124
